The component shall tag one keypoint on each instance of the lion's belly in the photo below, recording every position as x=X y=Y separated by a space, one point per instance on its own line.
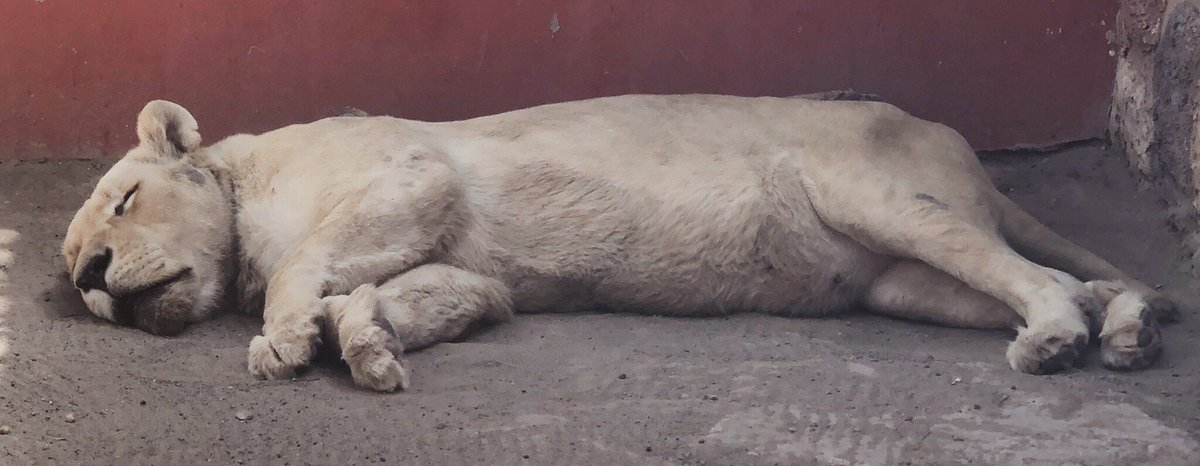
x=802 y=274
x=565 y=241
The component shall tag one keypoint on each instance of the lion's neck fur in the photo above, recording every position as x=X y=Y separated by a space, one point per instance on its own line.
x=244 y=285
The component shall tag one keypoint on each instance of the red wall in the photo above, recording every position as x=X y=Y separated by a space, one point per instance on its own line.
x=74 y=74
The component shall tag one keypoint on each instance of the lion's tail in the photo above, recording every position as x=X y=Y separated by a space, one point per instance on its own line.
x=1036 y=242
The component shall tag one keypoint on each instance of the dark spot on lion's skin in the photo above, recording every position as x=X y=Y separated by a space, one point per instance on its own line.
x=385 y=324
x=932 y=200
x=838 y=281
x=888 y=133
x=191 y=175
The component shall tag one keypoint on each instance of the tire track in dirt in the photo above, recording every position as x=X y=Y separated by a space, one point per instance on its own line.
x=761 y=429
x=8 y=443
x=800 y=432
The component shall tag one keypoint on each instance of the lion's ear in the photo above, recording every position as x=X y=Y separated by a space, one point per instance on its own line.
x=168 y=129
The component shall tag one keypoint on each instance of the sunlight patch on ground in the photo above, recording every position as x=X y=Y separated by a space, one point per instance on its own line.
x=7 y=237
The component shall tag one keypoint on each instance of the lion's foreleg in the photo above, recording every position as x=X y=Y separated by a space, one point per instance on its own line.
x=435 y=303
x=355 y=325
x=429 y=304
x=335 y=258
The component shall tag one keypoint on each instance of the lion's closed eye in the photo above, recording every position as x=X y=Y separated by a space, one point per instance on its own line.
x=126 y=202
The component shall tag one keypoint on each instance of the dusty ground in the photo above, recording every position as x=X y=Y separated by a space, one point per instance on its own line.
x=602 y=389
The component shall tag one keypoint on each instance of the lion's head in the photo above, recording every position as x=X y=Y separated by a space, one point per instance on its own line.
x=150 y=246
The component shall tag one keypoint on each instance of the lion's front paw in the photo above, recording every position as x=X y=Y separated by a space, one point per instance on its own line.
x=1047 y=349
x=1131 y=338
x=369 y=346
x=373 y=361
x=281 y=355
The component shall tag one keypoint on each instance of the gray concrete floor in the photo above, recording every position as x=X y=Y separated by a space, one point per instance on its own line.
x=601 y=389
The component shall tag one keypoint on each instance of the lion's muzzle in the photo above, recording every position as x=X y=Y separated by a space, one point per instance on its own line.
x=91 y=275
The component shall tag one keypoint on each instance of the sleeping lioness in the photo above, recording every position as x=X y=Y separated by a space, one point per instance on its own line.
x=383 y=235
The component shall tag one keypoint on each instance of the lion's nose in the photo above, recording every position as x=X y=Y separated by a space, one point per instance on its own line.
x=92 y=275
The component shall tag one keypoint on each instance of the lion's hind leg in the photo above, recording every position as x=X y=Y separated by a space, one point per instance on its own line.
x=1128 y=324
x=913 y=290
x=1121 y=318
x=925 y=228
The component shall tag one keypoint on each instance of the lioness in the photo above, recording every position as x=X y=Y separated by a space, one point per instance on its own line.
x=385 y=235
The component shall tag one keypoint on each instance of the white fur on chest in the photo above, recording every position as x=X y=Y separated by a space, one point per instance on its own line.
x=272 y=227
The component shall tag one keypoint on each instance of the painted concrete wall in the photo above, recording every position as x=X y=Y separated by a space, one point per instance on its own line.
x=74 y=74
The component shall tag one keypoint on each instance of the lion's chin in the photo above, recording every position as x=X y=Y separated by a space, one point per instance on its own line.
x=163 y=310
x=100 y=303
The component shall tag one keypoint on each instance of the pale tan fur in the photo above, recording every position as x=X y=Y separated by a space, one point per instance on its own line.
x=677 y=205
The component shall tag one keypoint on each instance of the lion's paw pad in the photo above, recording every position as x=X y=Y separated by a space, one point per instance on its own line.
x=1164 y=310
